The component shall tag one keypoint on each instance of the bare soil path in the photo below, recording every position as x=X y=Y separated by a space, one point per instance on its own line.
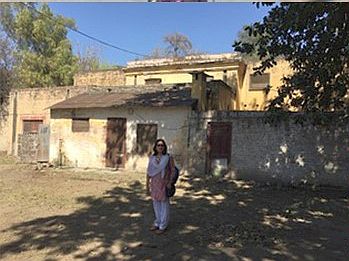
x=98 y=215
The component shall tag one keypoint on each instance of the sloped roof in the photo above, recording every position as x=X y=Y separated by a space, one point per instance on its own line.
x=132 y=97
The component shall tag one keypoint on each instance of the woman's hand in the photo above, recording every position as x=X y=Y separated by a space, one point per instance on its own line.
x=148 y=190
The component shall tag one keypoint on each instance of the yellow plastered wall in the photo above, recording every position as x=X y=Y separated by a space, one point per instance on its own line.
x=177 y=75
x=31 y=104
x=87 y=149
x=257 y=99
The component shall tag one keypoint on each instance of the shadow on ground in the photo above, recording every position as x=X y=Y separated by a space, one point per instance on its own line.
x=211 y=220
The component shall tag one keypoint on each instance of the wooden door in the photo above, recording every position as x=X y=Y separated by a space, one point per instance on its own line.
x=44 y=143
x=116 y=143
x=219 y=142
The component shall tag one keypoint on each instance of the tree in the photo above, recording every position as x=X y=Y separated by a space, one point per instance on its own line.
x=6 y=74
x=43 y=52
x=244 y=37
x=176 y=46
x=88 y=59
x=314 y=39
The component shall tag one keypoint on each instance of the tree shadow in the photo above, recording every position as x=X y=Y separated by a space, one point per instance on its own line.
x=211 y=219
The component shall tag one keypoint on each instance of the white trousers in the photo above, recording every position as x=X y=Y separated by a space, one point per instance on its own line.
x=162 y=213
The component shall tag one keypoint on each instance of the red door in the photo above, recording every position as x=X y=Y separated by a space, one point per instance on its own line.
x=116 y=143
x=219 y=142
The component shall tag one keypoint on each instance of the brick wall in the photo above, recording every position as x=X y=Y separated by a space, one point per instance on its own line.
x=100 y=78
x=286 y=153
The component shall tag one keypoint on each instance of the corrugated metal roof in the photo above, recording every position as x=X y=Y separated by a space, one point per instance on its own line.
x=154 y=98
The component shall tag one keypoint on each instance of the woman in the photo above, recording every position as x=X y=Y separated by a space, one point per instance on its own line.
x=159 y=171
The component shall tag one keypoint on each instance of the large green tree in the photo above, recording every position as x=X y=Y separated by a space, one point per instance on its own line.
x=43 y=52
x=6 y=74
x=314 y=39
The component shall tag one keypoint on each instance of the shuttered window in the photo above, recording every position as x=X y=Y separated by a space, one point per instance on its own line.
x=146 y=137
x=31 y=126
x=80 y=125
x=259 y=82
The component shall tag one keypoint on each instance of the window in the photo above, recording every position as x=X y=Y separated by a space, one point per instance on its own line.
x=31 y=126
x=80 y=125
x=146 y=137
x=225 y=76
x=259 y=82
x=153 y=81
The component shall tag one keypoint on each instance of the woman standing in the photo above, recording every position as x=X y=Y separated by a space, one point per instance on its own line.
x=159 y=171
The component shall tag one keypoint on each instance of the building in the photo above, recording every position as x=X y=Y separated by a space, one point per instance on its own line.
x=252 y=92
x=118 y=128
x=216 y=82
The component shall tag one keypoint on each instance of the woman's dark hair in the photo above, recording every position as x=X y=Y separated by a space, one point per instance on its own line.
x=164 y=152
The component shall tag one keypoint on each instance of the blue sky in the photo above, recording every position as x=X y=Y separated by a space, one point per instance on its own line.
x=140 y=27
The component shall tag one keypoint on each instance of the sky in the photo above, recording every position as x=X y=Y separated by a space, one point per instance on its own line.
x=140 y=27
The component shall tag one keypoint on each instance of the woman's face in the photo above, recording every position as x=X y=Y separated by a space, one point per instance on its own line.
x=160 y=146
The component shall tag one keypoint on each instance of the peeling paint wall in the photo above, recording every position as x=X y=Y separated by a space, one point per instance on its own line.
x=87 y=149
x=33 y=104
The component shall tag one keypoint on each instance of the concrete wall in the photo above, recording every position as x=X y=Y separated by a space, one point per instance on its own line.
x=111 y=77
x=88 y=149
x=5 y=135
x=221 y=97
x=287 y=153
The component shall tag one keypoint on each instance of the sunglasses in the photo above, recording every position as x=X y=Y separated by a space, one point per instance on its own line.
x=160 y=145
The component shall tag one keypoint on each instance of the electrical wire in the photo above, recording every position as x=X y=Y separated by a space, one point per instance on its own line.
x=86 y=35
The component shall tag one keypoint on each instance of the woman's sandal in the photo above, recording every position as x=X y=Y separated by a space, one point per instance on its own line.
x=153 y=228
x=160 y=231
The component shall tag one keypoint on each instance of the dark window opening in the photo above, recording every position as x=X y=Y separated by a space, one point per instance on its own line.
x=31 y=126
x=259 y=82
x=153 y=81
x=146 y=137
x=80 y=125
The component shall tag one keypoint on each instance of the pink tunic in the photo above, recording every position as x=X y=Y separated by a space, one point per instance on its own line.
x=158 y=187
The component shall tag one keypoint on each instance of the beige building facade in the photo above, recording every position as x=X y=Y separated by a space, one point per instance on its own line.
x=217 y=82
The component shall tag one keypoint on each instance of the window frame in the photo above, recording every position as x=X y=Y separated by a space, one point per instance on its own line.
x=259 y=86
x=80 y=119
x=33 y=129
x=140 y=148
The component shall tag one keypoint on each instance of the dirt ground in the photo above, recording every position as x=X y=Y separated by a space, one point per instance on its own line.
x=61 y=214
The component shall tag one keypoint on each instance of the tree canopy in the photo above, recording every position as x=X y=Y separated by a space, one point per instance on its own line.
x=314 y=39
x=43 y=52
x=6 y=75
